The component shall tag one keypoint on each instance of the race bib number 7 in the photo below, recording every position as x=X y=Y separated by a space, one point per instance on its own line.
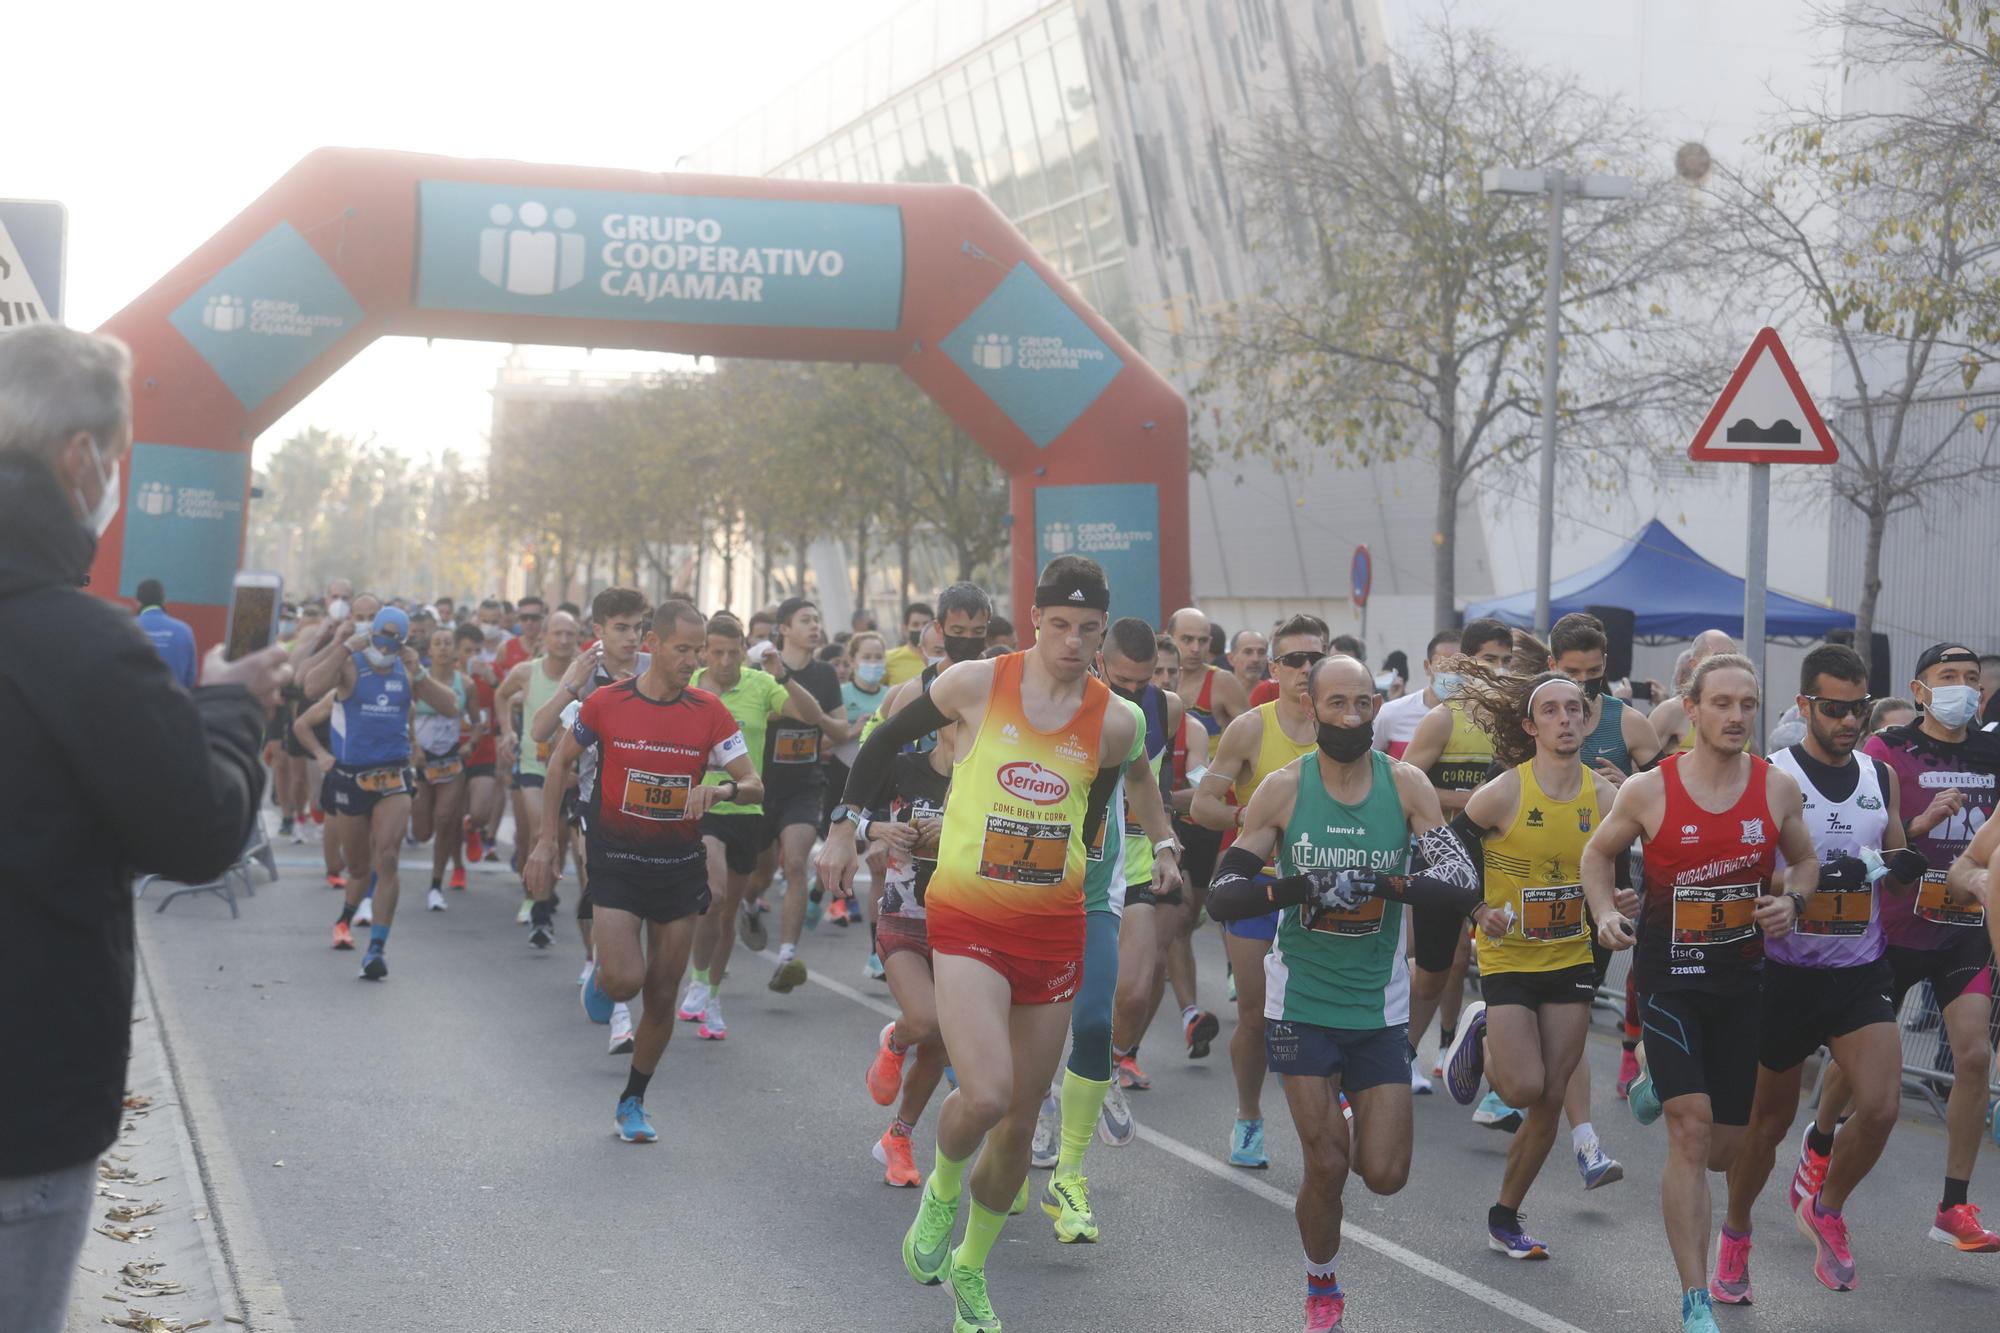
x=1937 y=904
x=1714 y=914
x=1014 y=852
x=1552 y=913
x=658 y=796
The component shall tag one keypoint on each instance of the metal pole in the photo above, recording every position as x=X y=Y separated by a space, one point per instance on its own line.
x=1551 y=343
x=1755 y=575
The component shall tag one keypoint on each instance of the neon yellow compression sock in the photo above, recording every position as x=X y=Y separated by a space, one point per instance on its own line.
x=1082 y=1099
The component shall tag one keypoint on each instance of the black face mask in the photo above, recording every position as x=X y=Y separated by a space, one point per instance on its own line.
x=1129 y=696
x=915 y=637
x=963 y=647
x=1593 y=688
x=1344 y=745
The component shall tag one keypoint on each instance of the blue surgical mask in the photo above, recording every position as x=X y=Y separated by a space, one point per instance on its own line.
x=870 y=673
x=1952 y=706
x=1445 y=684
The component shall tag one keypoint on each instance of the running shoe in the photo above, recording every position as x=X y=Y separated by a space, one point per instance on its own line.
x=1958 y=1226
x=693 y=1003
x=621 y=1031
x=892 y=1150
x=633 y=1124
x=1246 y=1146
x=457 y=878
x=1628 y=1069
x=492 y=852
x=1465 y=1061
x=1323 y=1312
x=584 y=975
x=1810 y=1173
x=435 y=900
x=712 y=1027
x=1515 y=1242
x=374 y=966
x=336 y=881
x=319 y=815
x=1130 y=1076
x=791 y=974
x=1697 y=1314
x=842 y=913
x=815 y=906
x=364 y=915
x=597 y=1005
x=343 y=935
x=872 y=969
x=1114 y=1119
x=473 y=848
x=884 y=1075
x=1496 y=1114
x=1596 y=1167
x=285 y=827
x=1232 y=986
x=951 y=1077
x=750 y=927
x=927 y=1244
x=1833 y=1261
x=527 y=912
x=1200 y=1032
x=1643 y=1099
x=1731 y=1283
x=974 y=1310
x=1042 y=1150
x=1067 y=1199
x=1419 y=1085
x=541 y=936
x=1020 y=1204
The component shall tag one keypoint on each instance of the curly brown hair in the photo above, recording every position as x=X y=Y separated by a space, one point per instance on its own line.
x=1498 y=705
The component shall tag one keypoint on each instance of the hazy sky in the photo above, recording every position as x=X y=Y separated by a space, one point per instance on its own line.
x=157 y=124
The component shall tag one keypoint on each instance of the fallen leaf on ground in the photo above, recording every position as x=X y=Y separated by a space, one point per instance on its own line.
x=132 y=1212
x=128 y=1235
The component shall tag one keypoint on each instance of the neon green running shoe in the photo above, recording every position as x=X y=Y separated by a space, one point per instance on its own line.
x=1020 y=1200
x=927 y=1244
x=968 y=1289
x=1067 y=1200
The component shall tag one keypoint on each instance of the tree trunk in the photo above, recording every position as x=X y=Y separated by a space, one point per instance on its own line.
x=861 y=564
x=1871 y=575
x=903 y=565
x=1444 y=537
x=799 y=546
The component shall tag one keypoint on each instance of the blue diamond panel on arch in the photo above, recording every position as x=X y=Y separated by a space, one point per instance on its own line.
x=1032 y=355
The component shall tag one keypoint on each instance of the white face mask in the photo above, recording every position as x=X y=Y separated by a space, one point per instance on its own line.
x=377 y=658
x=1952 y=706
x=98 y=517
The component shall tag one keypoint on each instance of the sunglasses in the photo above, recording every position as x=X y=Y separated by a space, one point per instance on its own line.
x=1303 y=658
x=529 y=615
x=1836 y=709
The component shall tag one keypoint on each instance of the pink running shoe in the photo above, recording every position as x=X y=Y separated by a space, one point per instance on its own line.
x=1731 y=1283
x=1323 y=1312
x=1809 y=1174
x=1833 y=1262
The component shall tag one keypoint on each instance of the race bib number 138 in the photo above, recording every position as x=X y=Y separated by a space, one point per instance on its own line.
x=658 y=796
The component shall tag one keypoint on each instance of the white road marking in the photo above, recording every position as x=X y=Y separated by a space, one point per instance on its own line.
x=1382 y=1245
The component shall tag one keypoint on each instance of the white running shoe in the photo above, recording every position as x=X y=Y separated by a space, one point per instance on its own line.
x=525 y=915
x=621 y=1030
x=712 y=1027
x=1419 y=1085
x=1048 y=1133
x=693 y=1002
x=435 y=900
x=583 y=977
x=1114 y=1121
x=365 y=914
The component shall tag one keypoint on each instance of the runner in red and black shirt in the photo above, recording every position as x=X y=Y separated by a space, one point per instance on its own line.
x=653 y=738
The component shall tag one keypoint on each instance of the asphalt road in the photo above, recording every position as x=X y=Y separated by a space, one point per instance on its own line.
x=436 y=1153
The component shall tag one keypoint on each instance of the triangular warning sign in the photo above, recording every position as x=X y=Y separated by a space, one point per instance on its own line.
x=1764 y=415
x=20 y=302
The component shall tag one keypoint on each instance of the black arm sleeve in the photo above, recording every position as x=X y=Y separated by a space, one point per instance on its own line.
x=1235 y=895
x=874 y=763
x=1101 y=788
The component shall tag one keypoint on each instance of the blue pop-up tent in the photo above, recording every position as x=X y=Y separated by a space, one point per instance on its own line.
x=1672 y=593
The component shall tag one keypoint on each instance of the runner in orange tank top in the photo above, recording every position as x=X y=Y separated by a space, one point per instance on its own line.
x=1036 y=758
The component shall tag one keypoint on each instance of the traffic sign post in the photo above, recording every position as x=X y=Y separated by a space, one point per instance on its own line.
x=1764 y=416
x=34 y=235
x=1360 y=579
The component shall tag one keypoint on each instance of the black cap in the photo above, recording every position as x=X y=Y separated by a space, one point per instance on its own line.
x=1944 y=652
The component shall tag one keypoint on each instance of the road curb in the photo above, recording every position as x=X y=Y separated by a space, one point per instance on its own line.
x=239 y=1263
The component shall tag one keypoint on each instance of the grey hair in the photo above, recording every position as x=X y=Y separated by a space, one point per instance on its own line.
x=55 y=382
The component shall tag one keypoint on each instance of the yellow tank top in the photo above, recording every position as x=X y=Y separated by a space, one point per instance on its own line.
x=1011 y=855
x=1534 y=866
x=1274 y=750
x=1468 y=753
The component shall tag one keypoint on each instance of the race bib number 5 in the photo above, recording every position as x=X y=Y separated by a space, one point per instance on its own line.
x=1552 y=913
x=1936 y=903
x=1014 y=852
x=659 y=796
x=1714 y=914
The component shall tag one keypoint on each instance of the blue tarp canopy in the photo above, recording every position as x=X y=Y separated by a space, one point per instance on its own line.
x=1672 y=593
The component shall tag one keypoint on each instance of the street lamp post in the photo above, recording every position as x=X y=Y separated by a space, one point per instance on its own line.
x=1558 y=186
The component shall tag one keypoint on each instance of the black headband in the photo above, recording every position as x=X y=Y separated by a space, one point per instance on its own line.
x=1076 y=594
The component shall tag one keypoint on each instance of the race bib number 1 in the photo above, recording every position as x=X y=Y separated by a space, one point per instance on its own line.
x=1838 y=913
x=1937 y=904
x=1553 y=913
x=1014 y=852
x=1714 y=914
x=659 y=796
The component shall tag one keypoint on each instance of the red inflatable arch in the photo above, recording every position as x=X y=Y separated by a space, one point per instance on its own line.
x=353 y=245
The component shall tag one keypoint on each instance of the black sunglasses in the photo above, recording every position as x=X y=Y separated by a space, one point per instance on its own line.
x=1836 y=709
x=1303 y=658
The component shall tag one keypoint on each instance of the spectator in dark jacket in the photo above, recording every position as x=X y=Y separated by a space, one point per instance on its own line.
x=172 y=639
x=111 y=769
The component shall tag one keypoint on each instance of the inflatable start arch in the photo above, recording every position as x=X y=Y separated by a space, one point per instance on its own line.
x=352 y=245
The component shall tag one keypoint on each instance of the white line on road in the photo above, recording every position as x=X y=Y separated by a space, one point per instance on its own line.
x=1382 y=1245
